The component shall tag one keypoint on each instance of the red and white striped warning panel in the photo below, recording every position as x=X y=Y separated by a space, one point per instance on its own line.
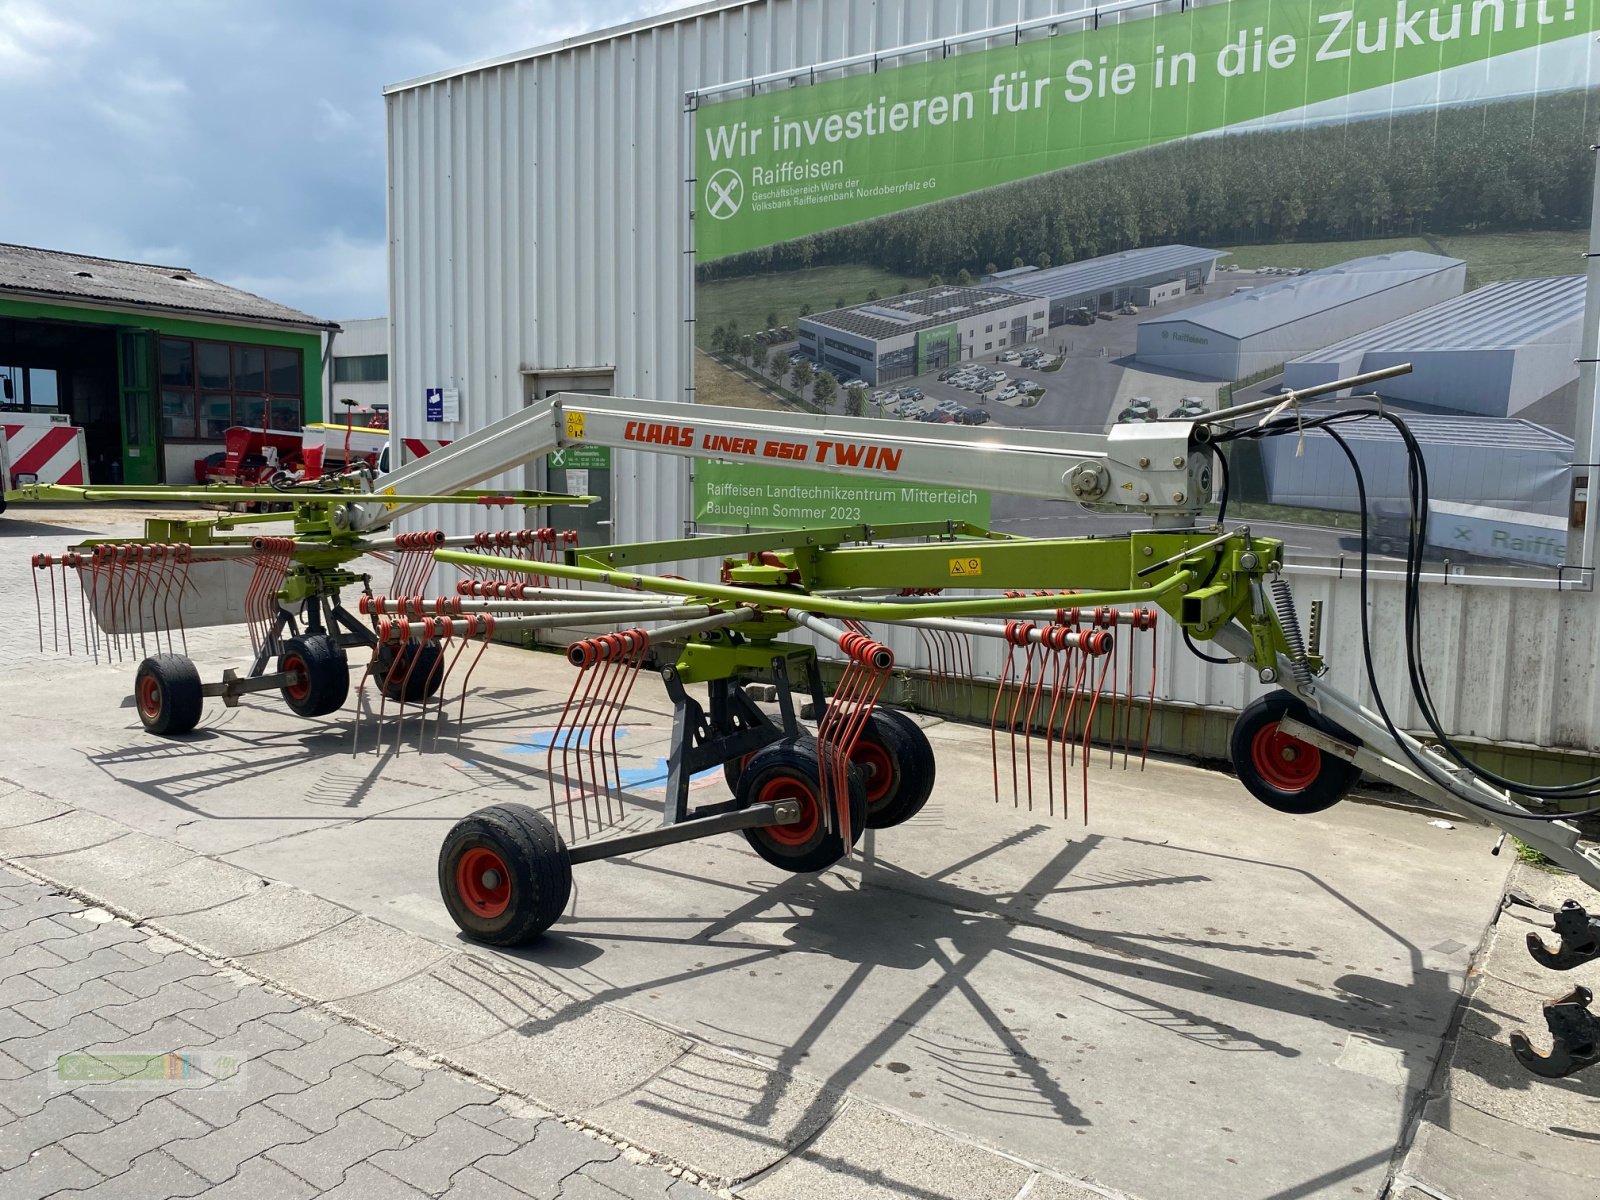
x=42 y=453
x=421 y=447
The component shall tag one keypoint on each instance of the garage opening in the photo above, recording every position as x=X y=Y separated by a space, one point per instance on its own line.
x=61 y=367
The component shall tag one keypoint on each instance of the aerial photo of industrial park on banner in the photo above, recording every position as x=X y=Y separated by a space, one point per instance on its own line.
x=1161 y=217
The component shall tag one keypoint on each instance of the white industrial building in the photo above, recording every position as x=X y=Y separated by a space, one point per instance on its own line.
x=920 y=331
x=1508 y=464
x=539 y=229
x=355 y=366
x=1493 y=351
x=1259 y=329
x=1146 y=276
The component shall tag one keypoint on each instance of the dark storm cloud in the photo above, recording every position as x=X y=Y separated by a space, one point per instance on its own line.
x=244 y=140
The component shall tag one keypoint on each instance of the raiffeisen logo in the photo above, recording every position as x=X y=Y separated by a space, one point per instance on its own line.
x=724 y=193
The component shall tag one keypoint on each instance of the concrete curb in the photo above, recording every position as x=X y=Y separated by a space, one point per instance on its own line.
x=617 y=1076
x=1488 y=1129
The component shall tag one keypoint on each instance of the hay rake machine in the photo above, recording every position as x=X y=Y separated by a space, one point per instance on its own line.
x=1069 y=681
x=140 y=599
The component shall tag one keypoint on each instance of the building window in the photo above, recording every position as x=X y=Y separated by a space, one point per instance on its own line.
x=206 y=387
x=29 y=389
x=361 y=368
x=988 y=328
x=988 y=345
x=1000 y=341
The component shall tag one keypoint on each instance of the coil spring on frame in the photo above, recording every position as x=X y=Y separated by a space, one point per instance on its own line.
x=1289 y=622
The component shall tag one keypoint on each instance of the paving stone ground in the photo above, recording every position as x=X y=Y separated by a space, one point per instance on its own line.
x=132 y=1067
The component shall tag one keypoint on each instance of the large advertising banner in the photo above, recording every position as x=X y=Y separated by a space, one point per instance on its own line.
x=1182 y=210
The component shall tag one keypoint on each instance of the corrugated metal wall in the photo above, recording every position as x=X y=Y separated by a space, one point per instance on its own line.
x=537 y=216
x=537 y=210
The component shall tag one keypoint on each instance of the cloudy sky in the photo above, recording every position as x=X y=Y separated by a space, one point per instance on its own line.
x=241 y=138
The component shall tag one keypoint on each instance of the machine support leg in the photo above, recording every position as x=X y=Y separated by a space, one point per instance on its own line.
x=736 y=726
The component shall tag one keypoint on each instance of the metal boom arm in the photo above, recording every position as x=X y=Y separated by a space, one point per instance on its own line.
x=1160 y=468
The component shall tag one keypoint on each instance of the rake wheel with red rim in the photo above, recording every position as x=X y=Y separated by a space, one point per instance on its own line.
x=897 y=766
x=323 y=672
x=504 y=874
x=788 y=770
x=1282 y=771
x=167 y=695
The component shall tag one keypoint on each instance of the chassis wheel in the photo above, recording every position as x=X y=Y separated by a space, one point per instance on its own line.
x=418 y=674
x=324 y=671
x=733 y=768
x=1282 y=771
x=788 y=770
x=896 y=764
x=504 y=874
x=166 y=691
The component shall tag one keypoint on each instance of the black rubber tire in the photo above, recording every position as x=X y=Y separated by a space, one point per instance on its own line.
x=1285 y=773
x=327 y=672
x=166 y=693
x=733 y=768
x=537 y=869
x=894 y=742
x=790 y=768
x=423 y=679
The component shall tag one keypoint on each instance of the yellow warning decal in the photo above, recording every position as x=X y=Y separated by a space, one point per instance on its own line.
x=961 y=568
x=390 y=504
x=574 y=424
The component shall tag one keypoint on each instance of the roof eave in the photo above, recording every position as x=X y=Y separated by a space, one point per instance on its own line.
x=69 y=299
x=578 y=41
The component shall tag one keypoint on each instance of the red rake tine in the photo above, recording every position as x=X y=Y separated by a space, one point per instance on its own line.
x=632 y=657
x=483 y=630
x=41 y=562
x=1088 y=725
x=584 y=731
x=584 y=655
x=994 y=713
x=130 y=591
x=145 y=558
x=66 y=599
x=1150 y=705
x=581 y=656
x=931 y=650
x=383 y=635
x=641 y=647
x=412 y=656
x=826 y=727
x=444 y=681
x=627 y=663
x=1019 y=630
x=609 y=684
x=393 y=681
x=1063 y=673
x=438 y=671
x=115 y=558
x=1045 y=656
x=161 y=573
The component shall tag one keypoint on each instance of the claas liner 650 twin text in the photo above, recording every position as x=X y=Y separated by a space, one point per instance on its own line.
x=801 y=798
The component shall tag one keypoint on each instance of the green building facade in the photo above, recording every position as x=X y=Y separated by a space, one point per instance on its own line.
x=153 y=363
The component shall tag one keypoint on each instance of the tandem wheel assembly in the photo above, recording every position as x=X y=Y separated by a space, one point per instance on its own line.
x=505 y=872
